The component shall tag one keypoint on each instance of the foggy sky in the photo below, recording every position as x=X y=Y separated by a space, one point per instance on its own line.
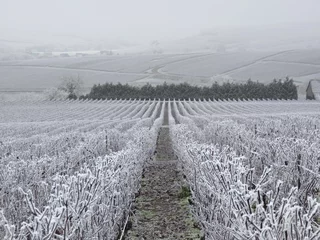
x=144 y=19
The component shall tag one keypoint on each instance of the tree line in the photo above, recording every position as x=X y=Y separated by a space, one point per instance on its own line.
x=278 y=89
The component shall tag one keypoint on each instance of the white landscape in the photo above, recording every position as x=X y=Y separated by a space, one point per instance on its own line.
x=252 y=166
x=204 y=68
x=231 y=155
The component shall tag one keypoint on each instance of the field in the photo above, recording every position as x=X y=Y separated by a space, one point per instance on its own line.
x=71 y=160
x=195 y=68
x=73 y=169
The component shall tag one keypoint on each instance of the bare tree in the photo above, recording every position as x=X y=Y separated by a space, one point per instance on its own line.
x=72 y=85
x=55 y=94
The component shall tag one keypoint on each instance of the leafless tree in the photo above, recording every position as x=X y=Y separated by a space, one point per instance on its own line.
x=72 y=85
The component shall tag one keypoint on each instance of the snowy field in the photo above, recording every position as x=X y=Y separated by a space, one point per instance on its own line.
x=71 y=169
x=196 y=68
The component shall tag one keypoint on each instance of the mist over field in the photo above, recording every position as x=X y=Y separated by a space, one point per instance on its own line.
x=142 y=41
x=159 y=119
x=124 y=22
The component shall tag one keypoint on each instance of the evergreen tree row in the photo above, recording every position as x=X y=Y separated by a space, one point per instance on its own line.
x=250 y=90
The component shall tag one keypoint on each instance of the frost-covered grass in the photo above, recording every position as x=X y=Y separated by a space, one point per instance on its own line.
x=307 y=56
x=196 y=68
x=266 y=71
x=40 y=78
x=214 y=64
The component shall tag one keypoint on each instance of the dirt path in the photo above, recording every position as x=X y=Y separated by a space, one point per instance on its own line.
x=161 y=211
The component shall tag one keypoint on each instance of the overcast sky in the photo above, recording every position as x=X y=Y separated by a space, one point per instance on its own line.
x=145 y=19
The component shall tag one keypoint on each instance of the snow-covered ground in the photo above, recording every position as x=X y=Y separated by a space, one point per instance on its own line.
x=261 y=53
x=195 y=68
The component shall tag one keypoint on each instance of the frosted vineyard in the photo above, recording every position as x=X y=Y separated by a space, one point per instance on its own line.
x=253 y=167
x=70 y=170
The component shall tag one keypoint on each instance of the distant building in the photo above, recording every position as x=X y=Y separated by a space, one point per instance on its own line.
x=81 y=54
x=104 y=52
x=64 y=55
x=313 y=90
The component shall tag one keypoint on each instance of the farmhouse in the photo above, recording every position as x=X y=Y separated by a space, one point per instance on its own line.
x=313 y=90
x=64 y=55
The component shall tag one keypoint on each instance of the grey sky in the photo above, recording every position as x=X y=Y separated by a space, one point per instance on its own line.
x=145 y=19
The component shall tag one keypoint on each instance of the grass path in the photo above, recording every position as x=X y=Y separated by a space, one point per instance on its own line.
x=161 y=211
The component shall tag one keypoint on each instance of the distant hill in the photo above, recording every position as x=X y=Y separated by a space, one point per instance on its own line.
x=258 y=38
